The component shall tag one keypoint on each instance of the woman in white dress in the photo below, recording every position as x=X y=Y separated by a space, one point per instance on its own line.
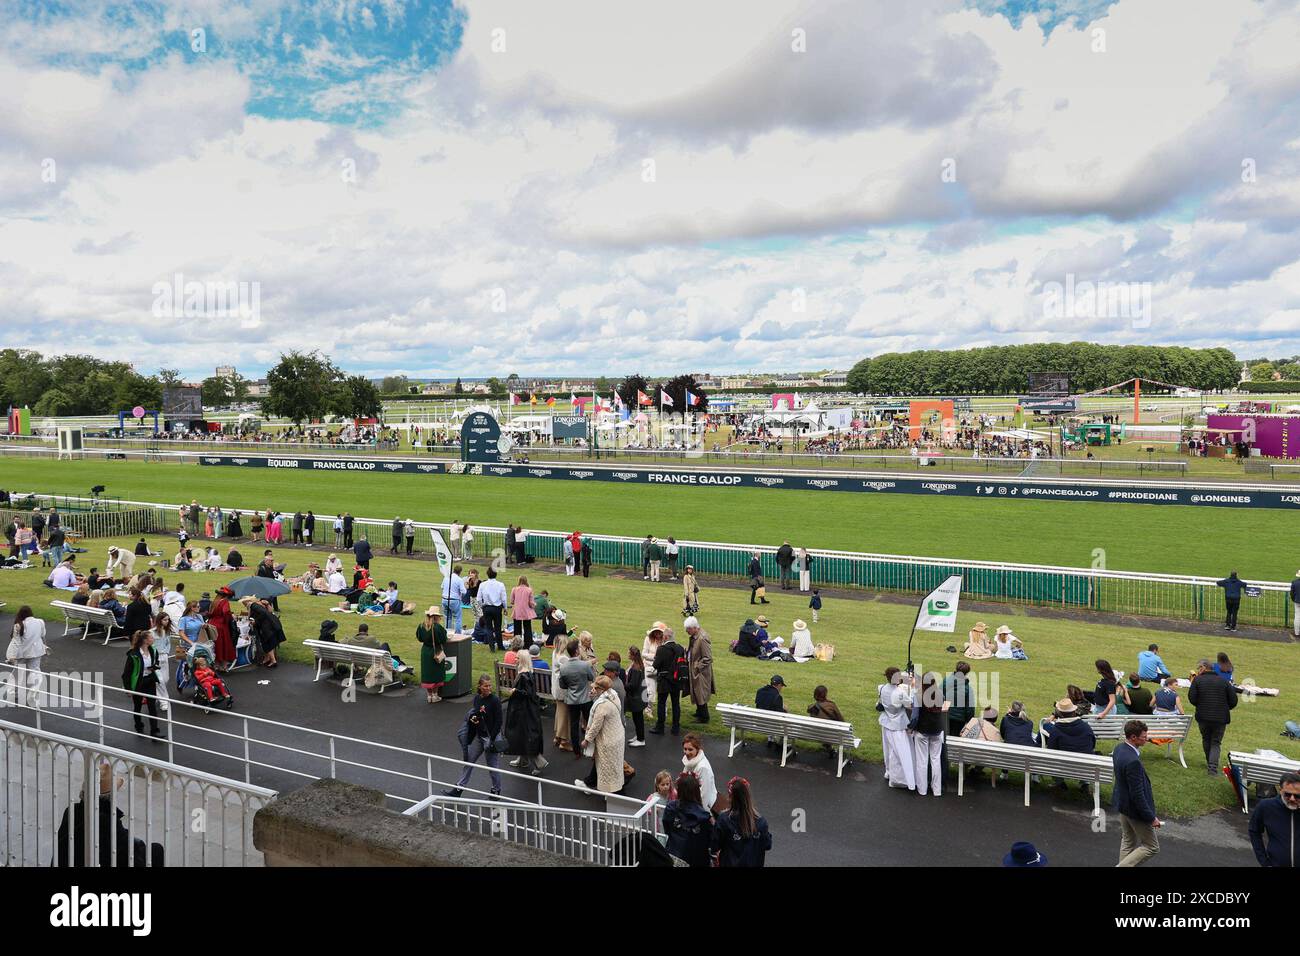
x=26 y=649
x=801 y=643
x=895 y=699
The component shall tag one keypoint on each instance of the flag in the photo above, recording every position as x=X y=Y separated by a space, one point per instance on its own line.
x=938 y=611
x=550 y=402
x=532 y=399
x=573 y=399
x=514 y=399
x=692 y=399
x=642 y=398
x=618 y=401
x=664 y=399
x=443 y=552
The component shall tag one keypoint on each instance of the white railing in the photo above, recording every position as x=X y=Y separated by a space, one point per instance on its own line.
x=606 y=839
x=246 y=746
x=69 y=802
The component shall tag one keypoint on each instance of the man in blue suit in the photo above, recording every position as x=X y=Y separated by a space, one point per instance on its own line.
x=1133 y=799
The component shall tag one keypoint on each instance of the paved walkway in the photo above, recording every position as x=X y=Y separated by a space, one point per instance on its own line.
x=815 y=818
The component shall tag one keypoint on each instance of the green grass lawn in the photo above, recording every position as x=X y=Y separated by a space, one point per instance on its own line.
x=868 y=635
x=1155 y=538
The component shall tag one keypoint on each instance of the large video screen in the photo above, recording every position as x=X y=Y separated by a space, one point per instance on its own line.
x=182 y=402
x=1049 y=383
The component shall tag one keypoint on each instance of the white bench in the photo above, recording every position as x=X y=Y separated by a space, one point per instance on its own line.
x=1257 y=769
x=1174 y=727
x=833 y=733
x=86 y=616
x=506 y=674
x=350 y=655
x=1088 y=768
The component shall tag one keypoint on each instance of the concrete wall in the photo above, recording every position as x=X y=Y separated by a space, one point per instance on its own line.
x=331 y=823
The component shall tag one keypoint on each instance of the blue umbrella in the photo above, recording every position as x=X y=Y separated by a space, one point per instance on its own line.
x=259 y=587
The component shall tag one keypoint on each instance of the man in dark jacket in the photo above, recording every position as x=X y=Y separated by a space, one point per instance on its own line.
x=1273 y=824
x=1133 y=799
x=784 y=561
x=347 y=529
x=398 y=526
x=1067 y=732
x=747 y=644
x=671 y=675
x=361 y=551
x=1232 y=588
x=1295 y=605
x=769 y=697
x=1214 y=698
x=1017 y=728
x=297 y=527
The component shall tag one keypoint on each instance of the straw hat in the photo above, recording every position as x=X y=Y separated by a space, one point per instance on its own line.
x=1003 y=630
x=434 y=611
x=799 y=624
x=762 y=620
x=1066 y=706
x=980 y=626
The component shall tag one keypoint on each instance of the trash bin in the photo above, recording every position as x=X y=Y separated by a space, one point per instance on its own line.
x=460 y=666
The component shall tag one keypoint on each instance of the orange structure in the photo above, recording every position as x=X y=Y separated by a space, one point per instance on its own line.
x=916 y=412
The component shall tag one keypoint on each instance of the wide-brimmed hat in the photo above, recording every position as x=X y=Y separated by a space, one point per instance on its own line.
x=1003 y=630
x=1066 y=706
x=762 y=620
x=434 y=611
x=980 y=626
x=800 y=624
x=560 y=615
x=691 y=567
x=1024 y=854
x=225 y=591
x=749 y=627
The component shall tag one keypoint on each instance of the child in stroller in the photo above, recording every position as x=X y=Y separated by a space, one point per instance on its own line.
x=196 y=674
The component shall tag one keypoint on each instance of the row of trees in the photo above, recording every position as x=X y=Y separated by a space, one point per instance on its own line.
x=1265 y=370
x=1004 y=369
x=73 y=384
x=305 y=385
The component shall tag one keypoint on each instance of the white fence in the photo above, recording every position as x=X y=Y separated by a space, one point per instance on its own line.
x=67 y=802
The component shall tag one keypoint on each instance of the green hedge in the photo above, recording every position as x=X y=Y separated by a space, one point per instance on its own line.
x=1269 y=388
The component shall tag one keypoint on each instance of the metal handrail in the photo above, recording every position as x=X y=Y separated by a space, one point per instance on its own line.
x=246 y=760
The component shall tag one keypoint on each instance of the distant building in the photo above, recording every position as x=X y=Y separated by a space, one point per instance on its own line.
x=225 y=371
x=835 y=379
x=258 y=389
x=735 y=381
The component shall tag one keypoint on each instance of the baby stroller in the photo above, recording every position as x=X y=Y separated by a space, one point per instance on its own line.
x=247 y=650
x=188 y=685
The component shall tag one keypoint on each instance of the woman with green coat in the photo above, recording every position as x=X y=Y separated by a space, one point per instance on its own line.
x=433 y=657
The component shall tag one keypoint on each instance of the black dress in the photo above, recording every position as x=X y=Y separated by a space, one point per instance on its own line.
x=524 y=719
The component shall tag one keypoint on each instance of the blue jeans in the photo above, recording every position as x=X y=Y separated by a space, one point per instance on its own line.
x=452 y=607
x=478 y=748
x=56 y=554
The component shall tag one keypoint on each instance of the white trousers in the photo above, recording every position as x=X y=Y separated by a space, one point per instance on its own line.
x=30 y=679
x=898 y=758
x=164 y=665
x=925 y=752
x=805 y=580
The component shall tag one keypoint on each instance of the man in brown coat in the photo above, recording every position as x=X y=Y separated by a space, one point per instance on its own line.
x=699 y=658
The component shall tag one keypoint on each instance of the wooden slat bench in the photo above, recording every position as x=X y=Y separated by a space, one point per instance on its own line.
x=86 y=616
x=350 y=655
x=1257 y=769
x=1174 y=727
x=506 y=675
x=833 y=733
x=1088 y=768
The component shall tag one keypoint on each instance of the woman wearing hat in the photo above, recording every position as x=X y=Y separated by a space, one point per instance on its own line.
x=433 y=658
x=1002 y=644
x=690 y=593
x=223 y=622
x=649 y=647
x=977 y=645
x=801 y=644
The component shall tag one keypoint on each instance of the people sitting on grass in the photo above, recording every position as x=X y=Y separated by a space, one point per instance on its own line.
x=1167 y=700
x=747 y=644
x=1223 y=667
x=64 y=577
x=801 y=643
x=1150 y=665
x=977 y=643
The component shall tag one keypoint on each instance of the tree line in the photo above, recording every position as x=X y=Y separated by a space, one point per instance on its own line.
x=1004 y=369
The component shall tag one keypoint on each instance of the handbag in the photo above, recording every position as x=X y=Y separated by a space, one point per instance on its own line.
x=499 y=744
x=824 y=652
x=760 y=592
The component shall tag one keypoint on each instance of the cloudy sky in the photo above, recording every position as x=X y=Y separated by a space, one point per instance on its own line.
x=492 y=186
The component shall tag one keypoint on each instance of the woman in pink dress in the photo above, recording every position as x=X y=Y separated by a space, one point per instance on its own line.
x=521 y=598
